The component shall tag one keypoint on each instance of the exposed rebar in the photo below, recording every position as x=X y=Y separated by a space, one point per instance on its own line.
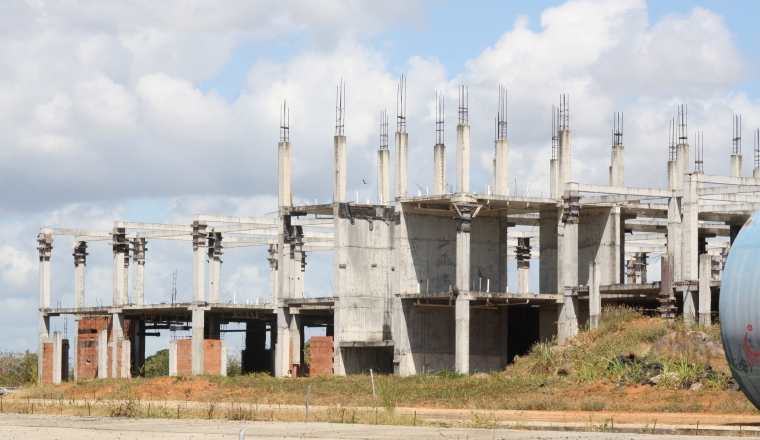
x=464 y=98
x=617 y=129
x=439 y=118
x=672 y=154
x=564 y=112
x=401 y=105
x=340 y=109
x=757 y=148
x=737 y=139
x=384 y=130
x=699 y=150
x=555 y=119
x=682 y=127
x=285 y=123
x=501 y=114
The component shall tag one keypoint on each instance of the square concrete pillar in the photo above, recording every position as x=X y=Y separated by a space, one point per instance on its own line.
x=501 y=168
x=284 y=197
x=103 y=354
x=383 y=177
x=463 y=158
x=199 y=262
x=172 y=358
x=690 y=304
x=705 y=294
x=551 y=240
x=594 y=294
x=282 y=345
x=117 y=335
x=198 y=344
x=462 y=322
x=690 y=229
x=296 y=339
x=57 y=357
x=402 y=167
x=439 y=169
x=339 y=178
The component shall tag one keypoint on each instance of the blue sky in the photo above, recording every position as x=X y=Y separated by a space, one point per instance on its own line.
x=157 y=110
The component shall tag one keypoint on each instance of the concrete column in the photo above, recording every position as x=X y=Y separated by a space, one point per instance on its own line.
x=503 y=253
x=690 y=305
x=57 y=357
x=617 y=169
x=402 y=167
x=756 y=173
x=551 y=238
x=594 y=294
x=197 y=344
x=172 y=358
x=282 y=346
x=383 y=177
x=75 y=352
x=199 y=262
x=705 y=295
x=297 y=263
x=568 y=318
x=564 y=153
x=736 y=166
x=274 y=276
x=45 y=249
x=117 y=333
x=214 y=266
x=296 y=337
x=463 y=158
x=689 y=231
x=463 y=281
x=439 y=169
x=339 y=190
x=138 y=361
x=80 y=260
x=138 y=261
x=126 y=359
x=554 y=181
x=103 y=354
x=223 y=360
x=284 y=196
x=501 y=168
x=125 y=289
x=284 y=262
x=120 y=247
x=523 y=264
x=462 y=334
x=675 y=182
x=683 y=158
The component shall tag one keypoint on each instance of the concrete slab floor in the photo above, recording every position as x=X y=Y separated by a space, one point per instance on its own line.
x=13 y=426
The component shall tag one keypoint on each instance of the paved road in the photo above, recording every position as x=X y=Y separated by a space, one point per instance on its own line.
x=44 y=427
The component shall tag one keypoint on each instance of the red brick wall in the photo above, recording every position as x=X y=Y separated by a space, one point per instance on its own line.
x=47 y=363
x=321 y=356
x=212 y=356
x=90 y=370
x=185 y=357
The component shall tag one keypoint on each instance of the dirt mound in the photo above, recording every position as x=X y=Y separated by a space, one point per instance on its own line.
x=692 y=347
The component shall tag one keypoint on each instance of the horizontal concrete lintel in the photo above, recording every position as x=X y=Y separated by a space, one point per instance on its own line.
x=641 y=193
x=365 y=344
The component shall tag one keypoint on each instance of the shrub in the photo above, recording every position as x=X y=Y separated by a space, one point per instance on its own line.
x=157 y=364
x=17 y=368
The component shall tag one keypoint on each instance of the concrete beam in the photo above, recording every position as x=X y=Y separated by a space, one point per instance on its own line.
x=236 y=219
x=719 y=190
x=731 y=207
x=651 y=193
x=83 y=232
x=726 y=180
x=152 y=226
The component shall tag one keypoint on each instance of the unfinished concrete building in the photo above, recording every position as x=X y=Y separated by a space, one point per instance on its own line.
x=420 y=282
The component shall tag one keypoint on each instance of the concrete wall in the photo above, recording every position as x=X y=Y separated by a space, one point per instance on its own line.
x=488 y=339
x=486 y=235
x=430 y=333
x=427 y=252
x=363 y=279
x=598 y=240
x=87 y=352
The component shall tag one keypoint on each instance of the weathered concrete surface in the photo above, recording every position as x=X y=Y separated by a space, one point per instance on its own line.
x=68 y=428
x=694 y=346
